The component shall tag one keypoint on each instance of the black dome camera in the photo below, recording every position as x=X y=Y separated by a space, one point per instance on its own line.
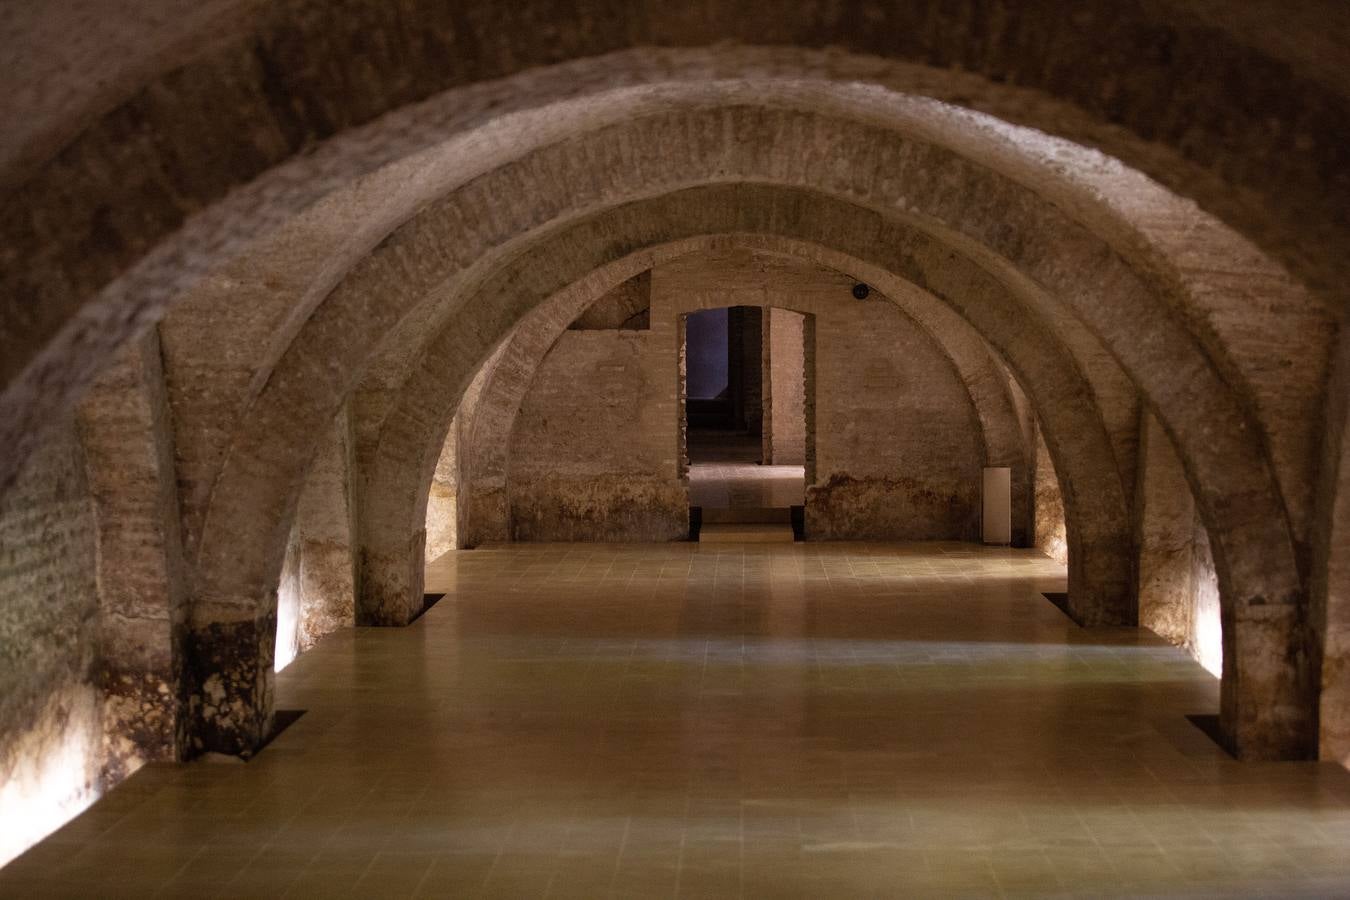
x=860 y=291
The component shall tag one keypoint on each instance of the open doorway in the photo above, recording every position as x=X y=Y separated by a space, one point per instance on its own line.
x=724 y=385
x=745 y=384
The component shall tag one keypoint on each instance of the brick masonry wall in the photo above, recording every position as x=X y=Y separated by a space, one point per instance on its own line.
x=898 y=453
x=128 y=438
x=1226 y=462
x=586 y=463
x=627 y=306
x=50 y=692
x=785 y=388
x=481 y=428
x=897 y=443
x=1178 y=590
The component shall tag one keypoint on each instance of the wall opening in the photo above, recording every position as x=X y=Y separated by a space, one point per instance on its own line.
x=724 y=407
x=744 y=391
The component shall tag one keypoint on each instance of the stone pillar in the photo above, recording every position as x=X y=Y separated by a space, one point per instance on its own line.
x=391 y=524
x=231 y=678
x=50 y=689
x=316 y=594
x=766 y=391
x=482 y=425
x=127 y=433
x=681 y=398
x=1102 y=590
x=443 y=513
x=784 y=388
x=809 y=397
x=1050 y=535
x=1178 y=589
x=391 y=585
x=1329 y=607
x=664 y=420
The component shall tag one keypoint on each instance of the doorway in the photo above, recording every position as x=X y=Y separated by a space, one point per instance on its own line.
x=745 y=386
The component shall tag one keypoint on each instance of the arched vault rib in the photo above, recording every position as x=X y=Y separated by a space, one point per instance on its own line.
x=715 y=144
x=1217 y=273
x=776 y=211
x=273 y=84
x=509 y=375
x=706 y=143
x=1151 y=344
x=652 y=230
x=402 y=464
x=890 y=169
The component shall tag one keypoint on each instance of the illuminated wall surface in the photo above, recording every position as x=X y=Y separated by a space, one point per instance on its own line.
x=51 y=772
x=51 y=728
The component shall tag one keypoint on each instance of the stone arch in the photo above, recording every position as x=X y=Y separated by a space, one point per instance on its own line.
x=474 y=409
x=1330 y=607
x=321 y=325
x=941 y=257
x=302 y=47
x=833 y=494
x=508 y=376
x=316 y=591
x=130 y=178
x=1150 y=358
x=413 y=433
x=1198 y=253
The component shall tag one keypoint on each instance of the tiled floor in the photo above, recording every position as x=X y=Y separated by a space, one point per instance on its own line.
x=729 y=485
x=809 y=720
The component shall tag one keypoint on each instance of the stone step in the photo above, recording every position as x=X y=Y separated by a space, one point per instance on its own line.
x=761 y=533
x=748 y=515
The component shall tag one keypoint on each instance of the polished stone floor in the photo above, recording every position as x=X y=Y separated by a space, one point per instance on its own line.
x=802 y=720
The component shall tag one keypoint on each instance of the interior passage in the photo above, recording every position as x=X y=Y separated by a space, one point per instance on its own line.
x=806 y=720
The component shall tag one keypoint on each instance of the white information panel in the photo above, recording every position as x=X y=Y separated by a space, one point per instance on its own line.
x=998 y=505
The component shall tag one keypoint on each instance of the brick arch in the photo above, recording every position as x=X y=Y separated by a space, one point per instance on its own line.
x=926 y=265
x=304 y=71
x=830 y=502
x=584 y=263
x=55 y=354
x=509 y=374
x=1063 y=269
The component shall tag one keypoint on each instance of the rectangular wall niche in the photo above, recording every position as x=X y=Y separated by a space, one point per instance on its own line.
x=997 y=505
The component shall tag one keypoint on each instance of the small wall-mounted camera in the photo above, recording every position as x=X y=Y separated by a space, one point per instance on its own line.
x=860 y=291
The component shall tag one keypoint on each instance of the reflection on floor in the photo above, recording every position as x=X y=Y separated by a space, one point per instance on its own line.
x=811 y=720
x=745 y=485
